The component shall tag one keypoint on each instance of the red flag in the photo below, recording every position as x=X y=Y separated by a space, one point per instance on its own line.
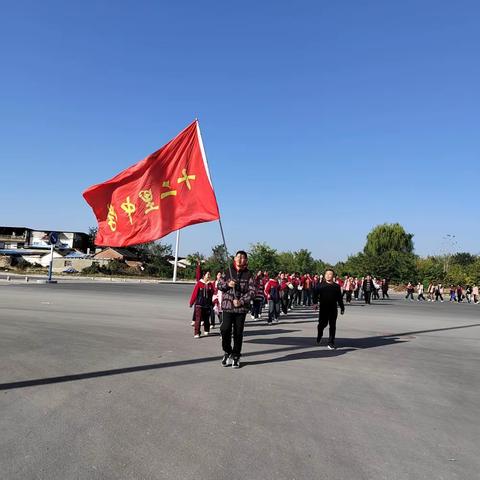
x=166 y=191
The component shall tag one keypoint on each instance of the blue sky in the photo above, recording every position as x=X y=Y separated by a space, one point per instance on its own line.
x=320 y=119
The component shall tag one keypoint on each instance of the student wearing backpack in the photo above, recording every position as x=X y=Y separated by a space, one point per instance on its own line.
x=272 y=294
x=202 y=300
x=258 y=299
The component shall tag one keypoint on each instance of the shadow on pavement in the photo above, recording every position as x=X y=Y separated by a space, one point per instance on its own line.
x=289 y=344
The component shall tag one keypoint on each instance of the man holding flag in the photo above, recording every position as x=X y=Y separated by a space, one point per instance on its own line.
x=168 y=190
x=238 y=289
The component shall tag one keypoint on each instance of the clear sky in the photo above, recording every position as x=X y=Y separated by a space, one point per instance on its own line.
x=320 y=119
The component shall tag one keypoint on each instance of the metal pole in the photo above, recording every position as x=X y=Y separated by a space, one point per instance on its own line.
x=175 y=265
x=211 y=183
x=51 y=264
x=226 y=249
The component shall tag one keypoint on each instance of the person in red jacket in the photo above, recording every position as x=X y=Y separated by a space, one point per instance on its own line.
x=259 y=298
x=284 y=293
x=272 y=294
x=202 y=300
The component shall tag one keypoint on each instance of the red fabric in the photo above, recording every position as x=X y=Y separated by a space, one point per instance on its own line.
x=128 y=215
x=270 y=284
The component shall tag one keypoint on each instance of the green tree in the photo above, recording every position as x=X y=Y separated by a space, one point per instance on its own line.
x=92 y=233
x=464 y=259
x=193 y=259
x=431 y=269
x=388 y=237
x=217 y=261
x=473 y=272
x=155 y=257
x=320 y=266
x=388 y=253
x=262 y=257
x=286 y=262
x=304 y=262
x=355 y=265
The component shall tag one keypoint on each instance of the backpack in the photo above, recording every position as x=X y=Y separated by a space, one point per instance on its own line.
x=274 y=295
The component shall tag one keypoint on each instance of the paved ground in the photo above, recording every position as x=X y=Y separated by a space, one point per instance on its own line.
x=104 y=381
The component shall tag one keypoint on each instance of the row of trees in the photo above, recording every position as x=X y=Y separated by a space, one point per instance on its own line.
x=388 y=253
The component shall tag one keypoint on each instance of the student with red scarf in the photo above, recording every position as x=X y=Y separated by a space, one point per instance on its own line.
x=202 y=300
x=272 y=294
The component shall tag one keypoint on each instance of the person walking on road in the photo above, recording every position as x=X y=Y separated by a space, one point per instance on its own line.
x=385 y=287
x=420 y=292
x=410 y=290
x=438 y=292
x=272 y=294
x=368 y=287
x=326 y=296
x=238 y=289
x=259 y=298
x=348 y=288
x=202 y=300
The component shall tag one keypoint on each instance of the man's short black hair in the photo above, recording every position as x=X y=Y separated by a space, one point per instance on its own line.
x=241 y=252
x=329 y=270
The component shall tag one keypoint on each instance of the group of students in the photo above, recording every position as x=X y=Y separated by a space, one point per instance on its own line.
x=233 y=294
x=279 y=292
x=435 y=292
x=283 y=291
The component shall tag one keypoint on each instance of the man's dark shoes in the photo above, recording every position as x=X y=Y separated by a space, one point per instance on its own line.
x=331 y=346
x=236 y=363
x=226 y=360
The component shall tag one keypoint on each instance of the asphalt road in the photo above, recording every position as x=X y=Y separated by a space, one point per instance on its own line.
x=101 y=381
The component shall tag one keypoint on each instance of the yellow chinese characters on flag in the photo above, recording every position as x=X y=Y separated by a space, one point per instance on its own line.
x=168 y=190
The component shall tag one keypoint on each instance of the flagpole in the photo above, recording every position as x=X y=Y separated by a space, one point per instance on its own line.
x=211 y=183
x=225 y=245
x=175 y=265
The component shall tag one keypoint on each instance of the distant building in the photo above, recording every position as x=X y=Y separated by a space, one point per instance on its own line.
x=26 y=245
x=12 y=238
x=121 y=254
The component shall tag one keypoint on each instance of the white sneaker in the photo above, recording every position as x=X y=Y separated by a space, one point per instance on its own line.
x=252 y=317
x=192 y=324
x=196 y=336
x=206 y=334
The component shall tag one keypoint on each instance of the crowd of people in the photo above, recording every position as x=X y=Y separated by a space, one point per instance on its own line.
x=278 y=293
x=231 y=295
x=436 y=291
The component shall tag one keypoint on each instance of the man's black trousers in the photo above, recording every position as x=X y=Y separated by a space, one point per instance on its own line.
x=328 y=316
x=236 y=322
x=367 y=297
